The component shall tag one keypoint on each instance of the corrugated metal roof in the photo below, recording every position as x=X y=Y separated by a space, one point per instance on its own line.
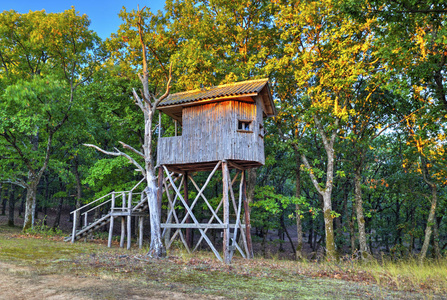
x=232 y=89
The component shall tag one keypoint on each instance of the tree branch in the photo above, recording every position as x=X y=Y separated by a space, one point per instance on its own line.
x=119 y=153
x=126 y=146
x=20 y=183
x=312 y=175
x=168 y=88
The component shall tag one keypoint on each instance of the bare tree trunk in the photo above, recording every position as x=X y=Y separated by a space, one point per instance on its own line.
x=430 y=222
x=364 y=251
x=156 y=246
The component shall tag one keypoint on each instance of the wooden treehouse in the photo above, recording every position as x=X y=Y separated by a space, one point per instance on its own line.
x=222 y=128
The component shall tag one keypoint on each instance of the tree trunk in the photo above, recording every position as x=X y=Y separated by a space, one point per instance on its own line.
x=31 y=202
x=436 y=247
x=364 y=251
x=299 y=227
x=352 y=232
x=156 y=246
x=3 y=199
x=59 y=208
x=326 y=192
x=329 y=227
x=78 y=188
x=430 y=222
x=11 y=206
x=251 y=183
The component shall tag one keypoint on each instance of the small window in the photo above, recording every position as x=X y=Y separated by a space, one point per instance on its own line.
x=244 y=125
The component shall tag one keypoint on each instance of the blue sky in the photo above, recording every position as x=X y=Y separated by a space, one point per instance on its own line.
x=103 y=14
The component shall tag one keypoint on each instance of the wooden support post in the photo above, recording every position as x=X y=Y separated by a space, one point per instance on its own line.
x=160 y=189
x=112 y=207
x=226 y=213
x=73 y=234
x=247 y=218
x=140 y=232
x=186 y=196
x=129 y=220
x=123 y=224
x=123 y=231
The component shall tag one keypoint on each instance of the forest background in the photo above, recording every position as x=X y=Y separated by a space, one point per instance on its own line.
x=355 y=158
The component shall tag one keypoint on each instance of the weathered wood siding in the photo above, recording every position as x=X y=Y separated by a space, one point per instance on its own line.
x=210 y=133
x=170 y=150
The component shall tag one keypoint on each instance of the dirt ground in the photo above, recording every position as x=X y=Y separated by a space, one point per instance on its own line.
x=18 y=283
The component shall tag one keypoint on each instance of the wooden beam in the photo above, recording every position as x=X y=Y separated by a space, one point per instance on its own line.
x=186 y=195
x=247 y=218
x=201 y=191
x=200 y=225
x=235 y=165
x=226 y=212
x=112 y=207
x=160 y=189
x=206 y=200
x=129 y=219
x=238 y=216
x=140 y=232
x=123 y=231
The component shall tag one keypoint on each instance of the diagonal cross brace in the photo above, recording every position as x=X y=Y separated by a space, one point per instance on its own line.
x=192 y=215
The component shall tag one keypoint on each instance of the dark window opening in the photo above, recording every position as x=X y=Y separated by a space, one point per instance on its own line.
x=244 y=125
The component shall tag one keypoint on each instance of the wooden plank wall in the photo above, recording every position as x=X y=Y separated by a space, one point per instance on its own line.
x=210 y=133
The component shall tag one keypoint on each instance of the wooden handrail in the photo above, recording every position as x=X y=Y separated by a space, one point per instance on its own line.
x=89 y=204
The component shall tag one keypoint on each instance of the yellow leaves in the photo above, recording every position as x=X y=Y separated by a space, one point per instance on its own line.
x=421 y=42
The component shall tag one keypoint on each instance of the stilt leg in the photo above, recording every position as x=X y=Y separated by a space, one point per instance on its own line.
x=226 y=212
x=123 y=231
x=247 y=218
x=140 y=232
x=109 y=242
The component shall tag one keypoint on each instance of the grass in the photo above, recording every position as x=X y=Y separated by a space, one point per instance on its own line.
x=200 y=273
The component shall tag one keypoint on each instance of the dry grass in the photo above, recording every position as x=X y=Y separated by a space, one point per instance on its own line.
x=200 y=273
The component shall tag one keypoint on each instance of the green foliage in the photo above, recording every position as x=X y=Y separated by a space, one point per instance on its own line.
x=43 y=230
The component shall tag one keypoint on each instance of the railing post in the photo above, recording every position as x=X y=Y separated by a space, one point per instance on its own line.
x=129 y=220
x=73 y=235
x=123 y=222
x=112 y=206
x=85 y=219
x=140 y=232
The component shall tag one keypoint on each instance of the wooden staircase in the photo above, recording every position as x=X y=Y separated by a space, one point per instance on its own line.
x=116 y=204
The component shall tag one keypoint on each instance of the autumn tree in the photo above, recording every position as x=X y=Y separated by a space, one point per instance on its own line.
x=327 y=53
